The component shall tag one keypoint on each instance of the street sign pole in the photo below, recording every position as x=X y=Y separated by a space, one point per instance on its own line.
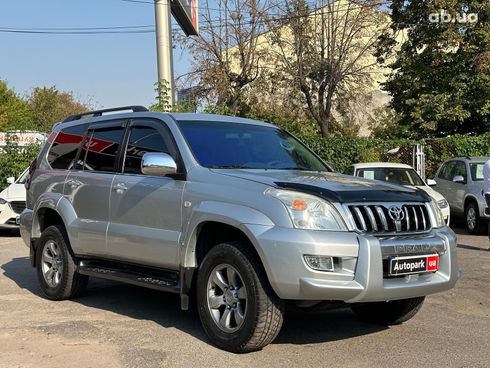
x=165 y=63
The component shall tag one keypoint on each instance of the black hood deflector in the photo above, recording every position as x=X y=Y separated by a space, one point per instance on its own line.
x=352 y=196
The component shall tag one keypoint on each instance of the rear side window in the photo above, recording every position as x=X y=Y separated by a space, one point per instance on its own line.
x=100 y=150
x=65 y=146
x=142 y=140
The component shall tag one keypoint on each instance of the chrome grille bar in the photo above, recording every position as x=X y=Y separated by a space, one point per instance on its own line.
x=372 y=220
x=383 y=218
x=360 y=218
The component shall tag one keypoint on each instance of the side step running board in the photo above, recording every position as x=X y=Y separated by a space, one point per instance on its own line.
x=154 y=278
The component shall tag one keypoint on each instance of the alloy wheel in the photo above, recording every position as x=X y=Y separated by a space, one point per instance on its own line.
x=52 y=263
x=226 y=297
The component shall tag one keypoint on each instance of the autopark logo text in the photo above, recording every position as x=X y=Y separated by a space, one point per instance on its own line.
x=445 y=17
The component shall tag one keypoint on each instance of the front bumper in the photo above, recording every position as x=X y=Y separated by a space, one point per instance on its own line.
x=358 y=275
x=8 y=218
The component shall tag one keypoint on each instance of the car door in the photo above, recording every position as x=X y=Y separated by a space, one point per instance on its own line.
x=88 y=187
x=444 y=181
x=146 y=211
x=458 y=190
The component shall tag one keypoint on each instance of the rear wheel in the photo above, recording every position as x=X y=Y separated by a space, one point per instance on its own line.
x=238 y=309
x=388 y=313
x=472 y=219
x=56 y=269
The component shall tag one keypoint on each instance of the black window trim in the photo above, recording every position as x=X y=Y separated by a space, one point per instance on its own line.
x=106 y=124
x=166 y=134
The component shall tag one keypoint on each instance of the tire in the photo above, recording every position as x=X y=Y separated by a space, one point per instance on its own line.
x=389 y=313
x=232 y=279
x=472 y=219
x=56 y=269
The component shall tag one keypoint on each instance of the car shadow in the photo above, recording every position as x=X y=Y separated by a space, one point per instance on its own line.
x=300 y=327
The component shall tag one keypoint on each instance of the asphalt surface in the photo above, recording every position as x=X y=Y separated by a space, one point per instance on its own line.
x=116 y=325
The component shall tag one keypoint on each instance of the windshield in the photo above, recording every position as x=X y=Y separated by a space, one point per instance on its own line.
x=393 y=175
x=477 y=171
x=224 y=145
x=22 y=178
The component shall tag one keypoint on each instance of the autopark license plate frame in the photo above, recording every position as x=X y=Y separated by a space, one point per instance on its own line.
x=409 y=265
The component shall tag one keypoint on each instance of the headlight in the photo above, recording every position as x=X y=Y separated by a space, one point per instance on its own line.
x=309 y=212
x=442 y=204
x=438 y=214
x=3 y=201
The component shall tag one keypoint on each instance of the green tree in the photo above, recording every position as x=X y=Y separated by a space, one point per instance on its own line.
x=15 y=113
x=440 y=80
x=50 y=105
x=14 y=160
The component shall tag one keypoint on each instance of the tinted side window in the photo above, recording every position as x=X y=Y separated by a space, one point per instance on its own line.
x=65 y=146
x=100 y=149
x=142 y=140
x=460 y=169
x=446 y=171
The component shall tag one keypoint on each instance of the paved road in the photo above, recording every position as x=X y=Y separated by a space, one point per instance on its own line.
x=117 y=325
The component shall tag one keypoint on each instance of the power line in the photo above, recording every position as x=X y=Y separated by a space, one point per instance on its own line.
x=142 y=29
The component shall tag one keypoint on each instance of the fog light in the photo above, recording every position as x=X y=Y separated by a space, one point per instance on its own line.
x=320 y=263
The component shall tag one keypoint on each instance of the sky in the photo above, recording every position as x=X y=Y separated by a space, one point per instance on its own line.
x=107 y=70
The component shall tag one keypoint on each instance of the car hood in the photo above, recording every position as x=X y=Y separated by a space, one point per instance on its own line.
x=332 y=186
x=431 y=192
x=14 y=192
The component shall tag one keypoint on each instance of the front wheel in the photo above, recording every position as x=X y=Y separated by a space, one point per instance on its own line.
x=238 y=309
x=389 y=313
x=472 y=219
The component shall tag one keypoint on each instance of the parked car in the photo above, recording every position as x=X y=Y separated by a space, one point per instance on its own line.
x=235 y=211
x=403 y=175
x=460 y=180
x=13 y=202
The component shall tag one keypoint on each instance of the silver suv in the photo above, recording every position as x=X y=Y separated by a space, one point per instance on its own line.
x=460 y=181
x=236 y=213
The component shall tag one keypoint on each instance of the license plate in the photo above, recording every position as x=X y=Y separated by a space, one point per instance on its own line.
x=414 y=264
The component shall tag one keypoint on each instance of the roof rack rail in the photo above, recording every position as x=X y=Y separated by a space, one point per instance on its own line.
x=100 y=112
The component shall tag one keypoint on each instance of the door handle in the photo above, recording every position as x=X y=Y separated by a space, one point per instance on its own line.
x=120 y=188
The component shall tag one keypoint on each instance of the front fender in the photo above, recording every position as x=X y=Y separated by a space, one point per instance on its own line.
x=230 y=214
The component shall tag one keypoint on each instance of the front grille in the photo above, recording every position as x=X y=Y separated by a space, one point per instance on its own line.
x=390 y=218
x=18 y=206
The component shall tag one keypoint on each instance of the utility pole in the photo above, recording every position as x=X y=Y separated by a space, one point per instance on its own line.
x=165 y=62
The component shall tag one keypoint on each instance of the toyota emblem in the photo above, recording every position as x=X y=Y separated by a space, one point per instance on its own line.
x=396 y=213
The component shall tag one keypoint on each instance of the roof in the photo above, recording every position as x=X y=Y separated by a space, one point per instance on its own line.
x=74 y=120
x=214 y=117
x=470 y=158
x=366 y=165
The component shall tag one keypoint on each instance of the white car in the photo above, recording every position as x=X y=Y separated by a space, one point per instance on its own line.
x=403 y=175
x=13 y=202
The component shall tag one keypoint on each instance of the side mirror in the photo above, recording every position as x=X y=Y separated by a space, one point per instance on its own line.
x=431 y=182
x=458 y=179
x=158 y=164
x=11 y=180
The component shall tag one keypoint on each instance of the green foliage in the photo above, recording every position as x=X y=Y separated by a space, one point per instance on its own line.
x=15 y=113
x=440 y=81
x=39 y=110
x=49 y=105
x=342 y=152
x=14 y=160
x=162 y=100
